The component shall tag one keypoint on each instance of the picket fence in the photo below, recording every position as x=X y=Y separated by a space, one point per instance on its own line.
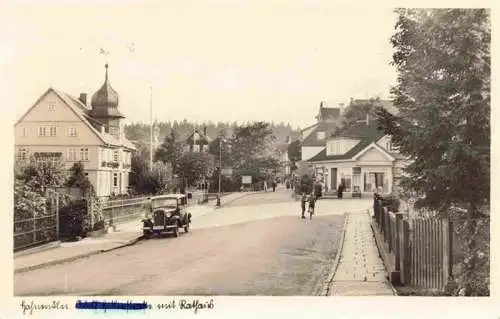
x=416 y=251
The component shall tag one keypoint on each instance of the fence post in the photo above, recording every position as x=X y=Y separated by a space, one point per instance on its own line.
x=380 y=215
x=34 y=226
x=397 y=249
x=57 y=215
x=405 y=260
x=387 y=225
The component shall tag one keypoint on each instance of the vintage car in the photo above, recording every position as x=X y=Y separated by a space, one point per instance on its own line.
x=168 y=214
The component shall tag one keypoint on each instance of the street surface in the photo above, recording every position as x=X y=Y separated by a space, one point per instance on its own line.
x=256 y=245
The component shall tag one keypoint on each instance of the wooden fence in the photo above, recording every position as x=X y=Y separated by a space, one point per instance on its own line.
x=32 y=229
x=416 y=251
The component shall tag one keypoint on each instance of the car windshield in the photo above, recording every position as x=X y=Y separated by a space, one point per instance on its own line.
x=165 y=202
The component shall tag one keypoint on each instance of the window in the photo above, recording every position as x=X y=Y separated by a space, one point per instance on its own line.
x=320 y=135
x=42 y=131
x=115 y=156
x=115 y=179
x=388 y=146
x=22 y=154
x=102 y=154
x=84 y=154
x=72 y=156
x=24 y=132
x=52 y=130
x=196 y=148
x=52 y=106
x=72 y=132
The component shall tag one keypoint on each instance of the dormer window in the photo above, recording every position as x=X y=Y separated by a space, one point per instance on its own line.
x=320 y=135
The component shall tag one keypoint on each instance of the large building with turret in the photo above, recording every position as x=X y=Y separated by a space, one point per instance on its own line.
x=60 y=127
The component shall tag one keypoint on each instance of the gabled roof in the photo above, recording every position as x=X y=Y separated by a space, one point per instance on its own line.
x=312 y=140
x=373 y=144
x=190 y=135
x=367 y=134
x=82 y=112
x=360 y=130
x=310 y=126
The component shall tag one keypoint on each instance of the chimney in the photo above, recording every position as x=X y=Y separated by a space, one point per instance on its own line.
x=83 y=98
x=103 y=130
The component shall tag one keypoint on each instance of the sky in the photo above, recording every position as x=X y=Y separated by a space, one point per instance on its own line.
x=206 y=60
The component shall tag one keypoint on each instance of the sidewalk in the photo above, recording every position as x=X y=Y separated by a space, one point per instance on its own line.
x=360 y=270
x=126 y=234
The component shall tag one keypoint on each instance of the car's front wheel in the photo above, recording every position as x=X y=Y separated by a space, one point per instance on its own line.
x=176 y=231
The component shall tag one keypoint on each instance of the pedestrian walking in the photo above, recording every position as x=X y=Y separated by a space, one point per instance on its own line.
x=312 y=203
x=303 y=201
x=274 y=186
x=265 y=186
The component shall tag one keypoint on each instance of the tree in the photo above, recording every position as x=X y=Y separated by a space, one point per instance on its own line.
x=145 y=181
x=294 y=151
x=443 y=98
x=42 y=174
x=77 y=179
x=170 y=151
x=250 y=141
x=221 y=144
x=357 y=111
x=194 y=166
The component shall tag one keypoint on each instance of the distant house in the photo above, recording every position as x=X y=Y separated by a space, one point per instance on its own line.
x=59 y=127
x=313 y=137
x=329 y=114
x=360 y=155
x=197 y=141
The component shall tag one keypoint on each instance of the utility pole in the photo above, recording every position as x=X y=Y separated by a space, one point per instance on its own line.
x=151 y=128
x=220 y=171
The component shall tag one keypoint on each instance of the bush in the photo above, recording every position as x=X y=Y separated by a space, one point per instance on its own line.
x=98 y=226
x=391 y=202
x=471 y=257
x=73 y=220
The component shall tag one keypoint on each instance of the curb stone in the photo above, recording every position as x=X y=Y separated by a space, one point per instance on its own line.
x=34 y=250
x=325 y=290
x=73 y=258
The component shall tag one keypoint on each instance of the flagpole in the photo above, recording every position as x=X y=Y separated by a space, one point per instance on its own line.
x=151 y=128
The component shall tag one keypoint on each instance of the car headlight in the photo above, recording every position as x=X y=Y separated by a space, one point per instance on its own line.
x=168 y=215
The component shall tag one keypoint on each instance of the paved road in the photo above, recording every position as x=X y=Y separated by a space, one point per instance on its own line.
x=245 y=249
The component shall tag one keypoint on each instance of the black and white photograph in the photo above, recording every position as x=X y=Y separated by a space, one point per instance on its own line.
x=249 y=148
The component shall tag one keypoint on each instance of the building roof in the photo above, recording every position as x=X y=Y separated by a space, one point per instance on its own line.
x=366 y=133
x=308 y=127
x=326 y=113
x=189 y=136
x=360 y=130
x=83 y=112
x=312 y=139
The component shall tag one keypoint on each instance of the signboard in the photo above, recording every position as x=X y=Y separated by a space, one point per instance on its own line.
x=246 y=179
x=227 y=171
